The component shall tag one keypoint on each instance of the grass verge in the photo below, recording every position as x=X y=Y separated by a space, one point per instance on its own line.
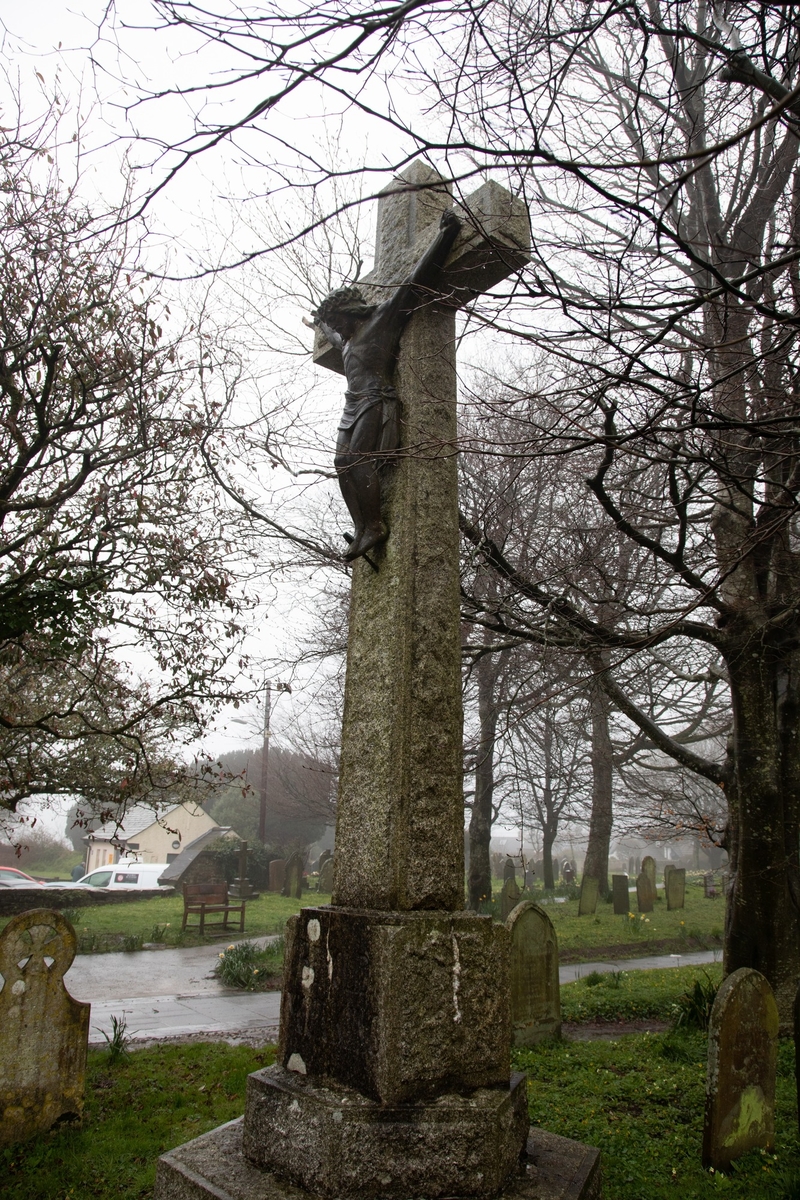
x=147 y=1103
x=640 y=1100
x=632 y=995
x=246 y=966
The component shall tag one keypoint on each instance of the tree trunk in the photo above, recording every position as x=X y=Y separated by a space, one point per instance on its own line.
x=479 y=879
x=763 y=922
x=548 y=838
x=596 y=861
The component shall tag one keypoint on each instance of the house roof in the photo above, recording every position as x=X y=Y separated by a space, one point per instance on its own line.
x=136 y=819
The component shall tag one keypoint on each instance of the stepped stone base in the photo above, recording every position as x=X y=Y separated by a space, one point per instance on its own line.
x=214 y=1166
x=335 y=1142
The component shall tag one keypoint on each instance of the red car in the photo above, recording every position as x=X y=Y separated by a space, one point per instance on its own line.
x=11 y=877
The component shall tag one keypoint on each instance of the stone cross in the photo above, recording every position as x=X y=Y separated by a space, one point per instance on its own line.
x=399 y=837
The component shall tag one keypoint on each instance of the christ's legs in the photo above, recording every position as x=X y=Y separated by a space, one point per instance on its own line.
x=359 y=479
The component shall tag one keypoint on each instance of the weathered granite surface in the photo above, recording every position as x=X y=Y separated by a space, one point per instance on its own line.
x=740 y=1080
x=399 y=1005
x=214 y=1166
x=43 y=1032
x=336 y=1142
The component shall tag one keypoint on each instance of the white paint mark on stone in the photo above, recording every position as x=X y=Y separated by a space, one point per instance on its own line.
x=456 y=980
x=296 y=1063
x=308 y=977
x=18 y=988
x=294 y=1107
x=313 y=930
x=337 y=1117
x=329 y=955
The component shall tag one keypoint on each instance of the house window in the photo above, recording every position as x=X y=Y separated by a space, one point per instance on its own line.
x=171 y=857
x=132 y=845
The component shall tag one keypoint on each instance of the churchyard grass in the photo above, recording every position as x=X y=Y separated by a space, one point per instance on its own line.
x=244 y=965
x=632 y=995
x=147 y=1103
x=640 y=1100
x=130 y=924
x=605 y=936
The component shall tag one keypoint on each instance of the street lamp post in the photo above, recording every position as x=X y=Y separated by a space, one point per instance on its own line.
x=262 y=810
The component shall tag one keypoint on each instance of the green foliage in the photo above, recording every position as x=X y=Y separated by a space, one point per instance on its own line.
x=117 y=1043
x=249 y=967
x=631 y=995
x=640 y=1100
x=155 y=1100
x=693 y=1007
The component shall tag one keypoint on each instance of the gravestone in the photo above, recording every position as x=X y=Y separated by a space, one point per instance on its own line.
x=568 y=872
x=638 y=866
x=43 y=1031
x=740 y=1080
x=587 y=901
x=535 y=992
x=293 y=876
x=277 y=873
x=645 y=893
x=620 y=895
x=242 y=888
x=649 y=869
x=530 y=877
x=325 y=881
x=709 y=888
x=509 y=897
x=667 y=868
x=675 y=887
x=392 y=1075
x=509 y=870
x=632 y=866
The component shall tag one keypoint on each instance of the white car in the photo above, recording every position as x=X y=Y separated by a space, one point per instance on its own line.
x=122 y=876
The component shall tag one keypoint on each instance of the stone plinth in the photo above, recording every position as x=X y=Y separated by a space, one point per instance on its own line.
x=400 y=1006
x=213 y=1167
x=336 y=1142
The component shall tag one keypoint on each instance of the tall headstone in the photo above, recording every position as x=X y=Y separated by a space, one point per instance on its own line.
x=631 y=865
x=509 y=897
x=675 y=887
x=709 y=888
x=509 y=870
x=645 y=893
x=43 y=1032
x=649 y=869
x=293 y=875
x=277 y=873
x=620 y=896
x=535 y=991
x=587 y=901
x=392 y=1074
x=325 y=881
x=740 y=1080
x=242 y=888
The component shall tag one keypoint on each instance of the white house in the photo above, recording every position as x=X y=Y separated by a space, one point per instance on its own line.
x=147 y=834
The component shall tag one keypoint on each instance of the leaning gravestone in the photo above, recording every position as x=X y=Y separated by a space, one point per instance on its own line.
x=43 y=1031
x=277 y=872
x=535 y=992
x=620 y=895
x=293 y=876
x=325 y=880
x=509 y=897
x=645 y=892
x=675 y=887
x=740 y=1081
x=587 y=901
x=392 y=1076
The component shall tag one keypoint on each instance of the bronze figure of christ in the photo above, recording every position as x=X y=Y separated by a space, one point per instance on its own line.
x=368 y=336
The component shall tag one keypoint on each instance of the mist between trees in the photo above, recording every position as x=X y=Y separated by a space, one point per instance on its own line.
x=630 y=466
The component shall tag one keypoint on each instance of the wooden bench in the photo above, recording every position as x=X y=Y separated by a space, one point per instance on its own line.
x=210 y=899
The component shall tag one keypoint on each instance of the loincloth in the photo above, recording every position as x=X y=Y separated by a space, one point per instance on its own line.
x=358 y=403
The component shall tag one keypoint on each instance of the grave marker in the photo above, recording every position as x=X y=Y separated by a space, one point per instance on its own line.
x=645 y=893
x=535 y=992
x=277 y=872
x=43 y=1031
x=587 y=902
x=675 y=887
x=293 y=876
x=649 y=869
x=620 y=895
x=509 y=897
x=740 y=1080
x=325 y=881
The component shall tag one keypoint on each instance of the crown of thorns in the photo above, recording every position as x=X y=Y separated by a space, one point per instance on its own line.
x=343 y=300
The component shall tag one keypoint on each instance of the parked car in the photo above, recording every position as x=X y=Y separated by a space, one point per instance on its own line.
x=123 y=875
x=11 y=877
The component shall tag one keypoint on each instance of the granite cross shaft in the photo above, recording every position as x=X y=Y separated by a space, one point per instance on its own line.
x=400 y=817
